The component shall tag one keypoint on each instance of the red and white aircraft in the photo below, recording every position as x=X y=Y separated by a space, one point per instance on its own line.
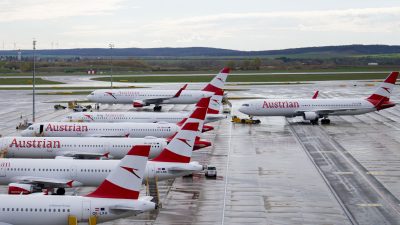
x=66 y=129
x=82 y=148
x=116 y=197
x=314 y=109
x=32 y=175
x=138 y=130
x=141 y=98
x=76 y=147
x=213 y=114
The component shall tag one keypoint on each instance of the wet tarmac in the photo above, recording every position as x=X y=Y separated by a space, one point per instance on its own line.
x=282 y=171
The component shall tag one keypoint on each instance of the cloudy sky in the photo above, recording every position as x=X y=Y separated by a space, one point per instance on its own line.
x=232 y=24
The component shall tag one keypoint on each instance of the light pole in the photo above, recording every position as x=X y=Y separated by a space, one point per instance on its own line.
x=111 y=45
x=33 y=81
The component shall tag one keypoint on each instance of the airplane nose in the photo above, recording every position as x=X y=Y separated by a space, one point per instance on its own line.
x=25 y=133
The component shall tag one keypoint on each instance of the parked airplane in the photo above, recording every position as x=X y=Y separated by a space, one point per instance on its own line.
x=141 y=98
x=213 y=114
x=116 y=197
x=314 y=109
x=65 y=129
x=32 y=175
x=134 y=117
x=76 y=147
x=82 y=148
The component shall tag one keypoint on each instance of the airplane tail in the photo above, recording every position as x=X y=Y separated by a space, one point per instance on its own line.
x=180 y=149
x=181 y=146
x=216 y=85
x=202 y=103
x=125 y=181
x=384 y=90
x=214 y=104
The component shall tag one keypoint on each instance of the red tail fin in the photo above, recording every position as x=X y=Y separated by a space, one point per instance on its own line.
x=216 y=85
x=385 y=89
x=198 y=111
x=125 y=181
x=181 y=146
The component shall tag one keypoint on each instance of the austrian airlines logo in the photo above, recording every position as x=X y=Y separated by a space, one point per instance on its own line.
x=386 y=89
x=184 y=141
x=131 y=170
x=220 y=79
x=111 y=94
x=89 y=116
x=216 y=101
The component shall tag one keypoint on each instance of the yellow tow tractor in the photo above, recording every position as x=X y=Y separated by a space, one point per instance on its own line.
x=249 y=120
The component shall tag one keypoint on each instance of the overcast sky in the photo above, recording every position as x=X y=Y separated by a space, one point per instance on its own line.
x=232 y=24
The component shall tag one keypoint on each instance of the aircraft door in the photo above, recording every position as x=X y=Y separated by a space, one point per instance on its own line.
x=2 y=171
x=86 y=210
x=41 y=129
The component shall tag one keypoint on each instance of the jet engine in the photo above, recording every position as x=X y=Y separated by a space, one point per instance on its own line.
x=310 y=116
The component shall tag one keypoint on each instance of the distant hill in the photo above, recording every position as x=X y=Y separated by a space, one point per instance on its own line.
x=212 y=52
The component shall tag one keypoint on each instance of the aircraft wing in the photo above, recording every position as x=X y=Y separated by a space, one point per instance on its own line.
x=1 y=223
x=47 y=182
x=327 y=111
x=87 y=155
x=107 y=136
x=160 y=100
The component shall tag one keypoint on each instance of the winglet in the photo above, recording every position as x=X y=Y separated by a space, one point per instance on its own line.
x=125 y=181
x=315 y=96
x=180 y=91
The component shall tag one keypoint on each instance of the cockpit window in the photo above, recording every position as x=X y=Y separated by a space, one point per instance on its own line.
x=246 y=105
x=30 y=128
x=92 y=93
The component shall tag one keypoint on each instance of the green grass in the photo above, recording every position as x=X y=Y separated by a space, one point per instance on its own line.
x=66 y=88
x=252 y=78
x=214 y=71
x=275 y=83
x=65 y=93
x=25 y=81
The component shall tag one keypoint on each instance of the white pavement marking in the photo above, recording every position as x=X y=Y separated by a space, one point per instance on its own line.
x=227 y=173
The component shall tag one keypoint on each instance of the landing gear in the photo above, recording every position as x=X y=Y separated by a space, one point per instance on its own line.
x=157 y=108
x=325 y=121
x=60 y=191
x=314 y=122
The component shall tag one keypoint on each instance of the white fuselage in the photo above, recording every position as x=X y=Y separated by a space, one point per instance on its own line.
x=54 y=210
x=135 y=117
x=51 y=147
x=127 y=96
x=66 y=129
x=295 y=107
x=86 y=172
